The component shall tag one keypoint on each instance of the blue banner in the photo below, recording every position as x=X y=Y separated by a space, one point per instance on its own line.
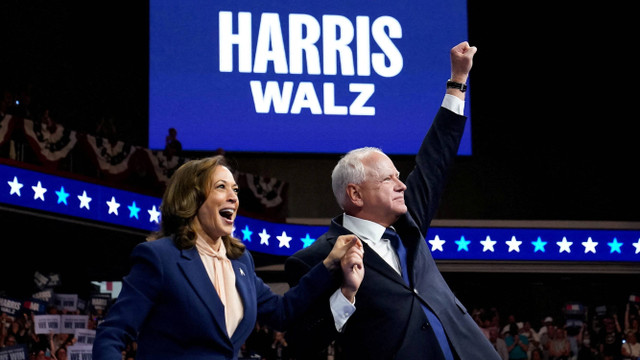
x=69 y=197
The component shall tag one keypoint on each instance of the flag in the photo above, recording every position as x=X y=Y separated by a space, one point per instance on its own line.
x=49 y=144
x=111 y=158
x=262 y=197
x=574 y=309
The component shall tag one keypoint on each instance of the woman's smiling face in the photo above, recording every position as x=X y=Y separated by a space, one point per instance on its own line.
x=217 y=213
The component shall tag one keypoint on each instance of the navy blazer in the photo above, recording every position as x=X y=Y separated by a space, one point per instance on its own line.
x=389 y=322
x=170 y=307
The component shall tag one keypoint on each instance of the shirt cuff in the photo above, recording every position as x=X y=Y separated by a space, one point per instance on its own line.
x=341 y=309
x=453 y=103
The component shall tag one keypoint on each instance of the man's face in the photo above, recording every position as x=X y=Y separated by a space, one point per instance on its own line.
x=382 y=192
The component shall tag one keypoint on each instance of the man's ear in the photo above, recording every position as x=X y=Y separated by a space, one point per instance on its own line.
x=353 y=193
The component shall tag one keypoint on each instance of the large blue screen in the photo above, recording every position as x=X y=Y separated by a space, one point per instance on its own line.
x=300 y=76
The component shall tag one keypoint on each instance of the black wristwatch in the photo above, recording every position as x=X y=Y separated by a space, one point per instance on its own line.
x=456 y=85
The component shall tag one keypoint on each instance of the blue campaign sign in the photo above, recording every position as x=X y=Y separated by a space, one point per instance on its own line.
x=15 y=352
x=45 y=192
x=300 y=76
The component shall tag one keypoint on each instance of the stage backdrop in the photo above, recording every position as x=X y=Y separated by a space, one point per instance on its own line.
x=300 y=76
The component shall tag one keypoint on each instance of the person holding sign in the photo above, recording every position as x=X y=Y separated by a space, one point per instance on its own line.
x=406 y=310
x=192 y=292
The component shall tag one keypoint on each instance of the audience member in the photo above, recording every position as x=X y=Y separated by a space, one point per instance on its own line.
x=546 y=336
x=574 y=330
x=173 y=146
x=547 y=324
x=10 y=340
x=62 y=340
x=61 y=354
x=630 y=347
x=536 y=354
x=43 y=355
x=19 y=331
x=511 y=319
x=559 y=347
x=517 y=344
x=41 y=346
x=610 y=338
x=532 y=336
x=632 y=318
x=498 y=343
x=588 y=349
x=485 y=325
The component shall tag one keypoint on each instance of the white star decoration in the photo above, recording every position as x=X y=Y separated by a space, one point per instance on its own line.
x=154 y=215
x=84 y=200
x=436 y=244
x=487 y=244
x=284 y=240
x=15 y=186
x=589 y=245
x=264 y=237
x=113 y=206
x=38 y=191
x=565 y=245
x=514 y=245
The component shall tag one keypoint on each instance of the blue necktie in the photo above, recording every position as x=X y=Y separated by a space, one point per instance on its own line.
x=394 y=238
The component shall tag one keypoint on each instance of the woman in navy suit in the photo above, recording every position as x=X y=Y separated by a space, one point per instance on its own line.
x=192 y=292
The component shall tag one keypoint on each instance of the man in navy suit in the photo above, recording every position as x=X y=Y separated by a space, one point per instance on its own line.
x=396 y=316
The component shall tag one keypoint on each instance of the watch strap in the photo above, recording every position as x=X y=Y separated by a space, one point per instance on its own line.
x=456 y=85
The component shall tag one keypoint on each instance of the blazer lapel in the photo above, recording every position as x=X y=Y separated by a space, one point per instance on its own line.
x=196 y=274
x=374 y=262
x=371 y=259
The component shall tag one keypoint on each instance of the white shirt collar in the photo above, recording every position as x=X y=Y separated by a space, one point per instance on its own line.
x=371 y=233
x=364 y=229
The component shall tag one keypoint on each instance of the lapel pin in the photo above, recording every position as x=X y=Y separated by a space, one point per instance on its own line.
x=241 y=272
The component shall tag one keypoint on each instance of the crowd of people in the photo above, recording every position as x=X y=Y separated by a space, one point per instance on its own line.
x=589 y=334
x=599 y=334
x=19 y=331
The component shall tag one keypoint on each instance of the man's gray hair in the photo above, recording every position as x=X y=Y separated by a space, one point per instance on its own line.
x=350 y=170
